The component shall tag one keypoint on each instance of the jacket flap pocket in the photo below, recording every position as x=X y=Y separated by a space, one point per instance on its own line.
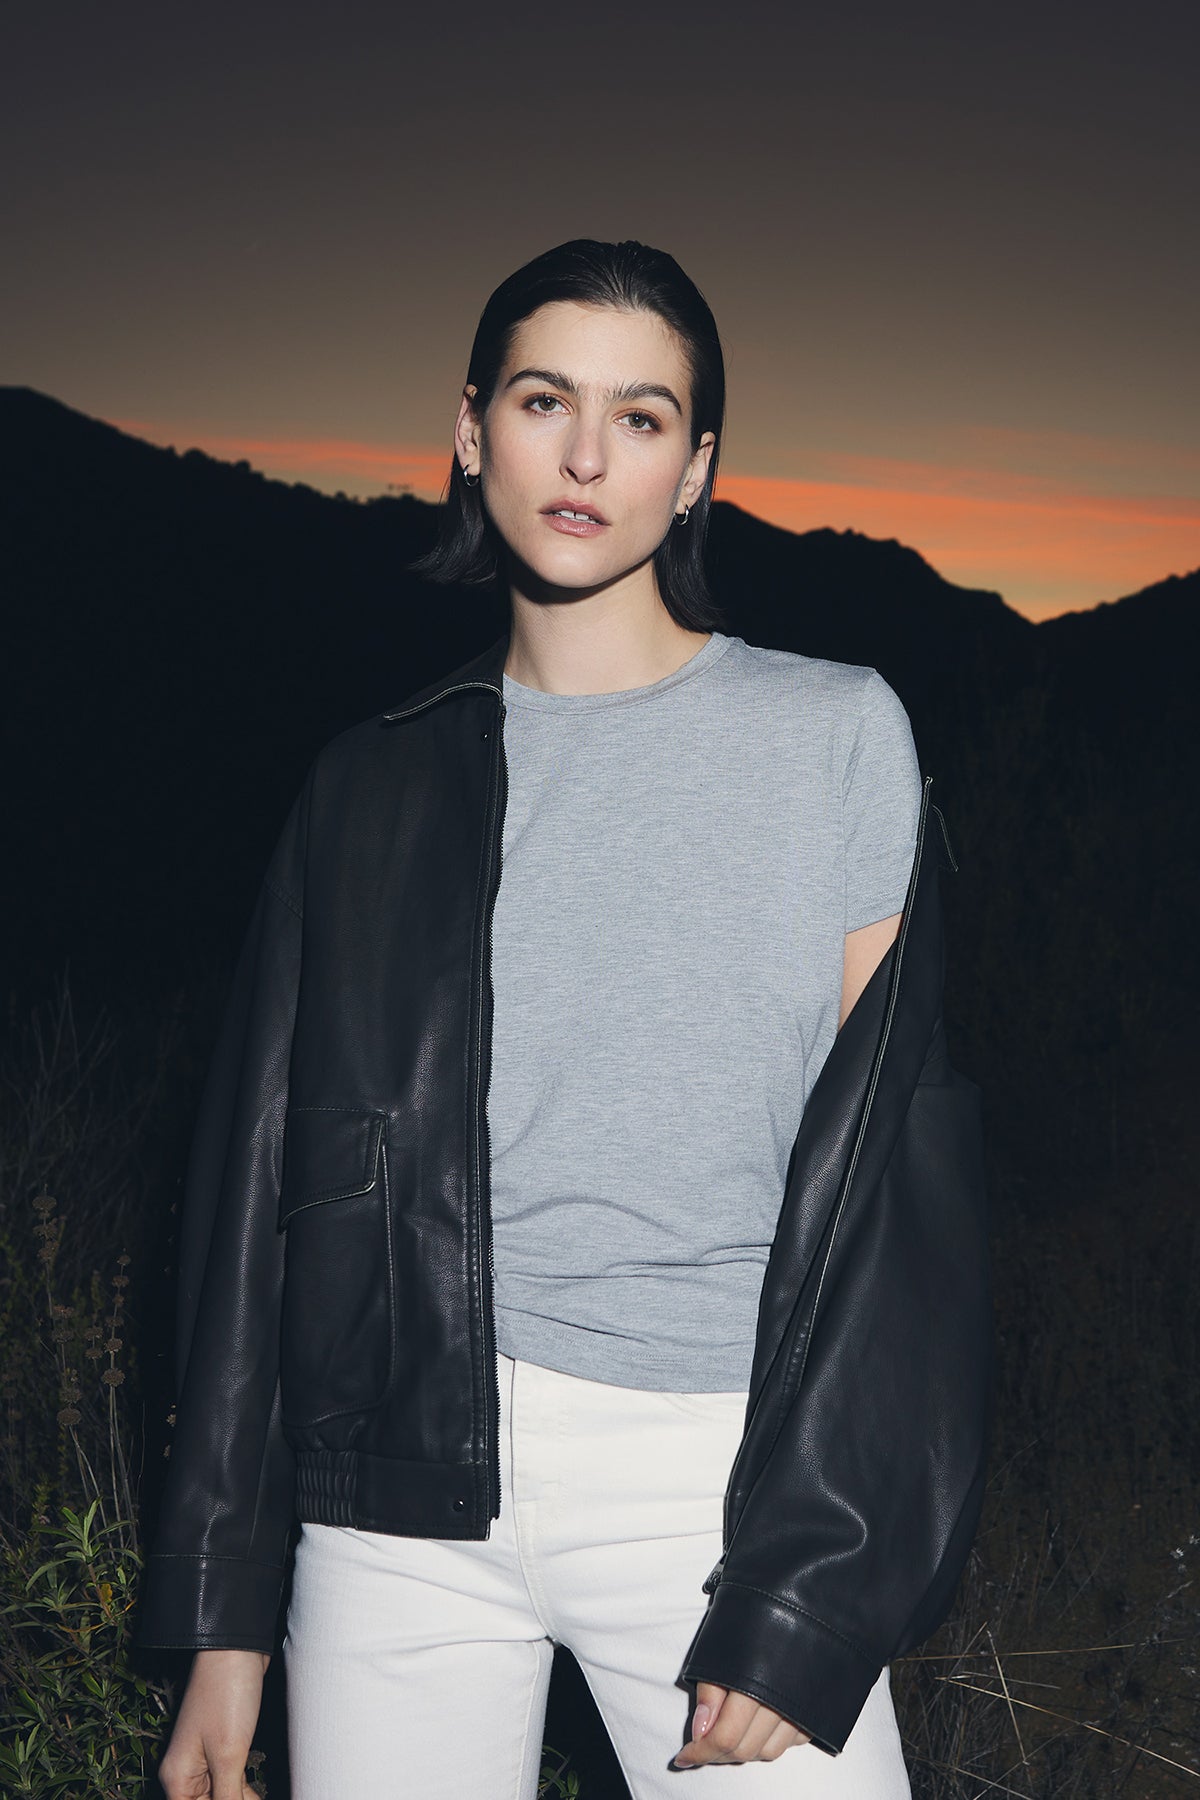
x=329 y=1153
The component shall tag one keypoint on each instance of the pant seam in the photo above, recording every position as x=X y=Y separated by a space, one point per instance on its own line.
x=535 y=1682
x=533 y=1588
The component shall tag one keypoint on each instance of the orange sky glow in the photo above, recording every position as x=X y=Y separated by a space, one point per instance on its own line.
x=1047 y=546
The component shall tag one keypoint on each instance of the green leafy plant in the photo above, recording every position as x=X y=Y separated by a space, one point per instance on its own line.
x=80 y=1718
x=83 y=1719
x=557 y=1782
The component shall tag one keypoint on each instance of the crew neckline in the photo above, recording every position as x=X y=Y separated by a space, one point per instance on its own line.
x=517 y=694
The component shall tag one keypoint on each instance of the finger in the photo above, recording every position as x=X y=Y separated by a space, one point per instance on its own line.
x=710 y=1695
x=709 y=1699
x=722 y=1730
x=723 y=1737
x=758 y=1732
x=784 y=1737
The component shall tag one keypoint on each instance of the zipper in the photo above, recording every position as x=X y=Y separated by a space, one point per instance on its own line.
x=713 y=1578
x=710 y=1582
x=483 y=1156
x=498 y=800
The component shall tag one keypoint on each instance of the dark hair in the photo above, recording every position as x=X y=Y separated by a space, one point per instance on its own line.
x=629 y=275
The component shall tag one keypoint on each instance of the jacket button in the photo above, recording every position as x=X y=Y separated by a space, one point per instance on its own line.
x=459 y=1505
x=483 y=734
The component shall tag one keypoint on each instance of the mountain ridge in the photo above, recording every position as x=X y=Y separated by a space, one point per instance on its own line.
x=181 y=634
x=33 y=413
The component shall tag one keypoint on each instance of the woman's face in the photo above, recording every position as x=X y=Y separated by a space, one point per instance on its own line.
x=591 y=413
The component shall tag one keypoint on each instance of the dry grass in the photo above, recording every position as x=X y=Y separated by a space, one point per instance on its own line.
x=1069 y=1664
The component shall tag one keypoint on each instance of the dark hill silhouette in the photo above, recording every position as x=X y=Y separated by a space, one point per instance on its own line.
x=858 y=599
x=180 y=634
x=1111 y=657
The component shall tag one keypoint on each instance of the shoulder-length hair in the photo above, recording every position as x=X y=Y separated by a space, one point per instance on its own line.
x=628 y=275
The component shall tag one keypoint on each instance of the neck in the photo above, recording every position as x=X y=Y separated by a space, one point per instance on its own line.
x=600 y=644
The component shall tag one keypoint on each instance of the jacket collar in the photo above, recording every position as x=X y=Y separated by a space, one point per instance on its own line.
x=484 y=670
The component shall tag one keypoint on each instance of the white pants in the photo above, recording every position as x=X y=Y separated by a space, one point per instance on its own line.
x=418 y=1668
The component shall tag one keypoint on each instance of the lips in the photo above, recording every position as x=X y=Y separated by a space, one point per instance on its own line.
x=576 y=507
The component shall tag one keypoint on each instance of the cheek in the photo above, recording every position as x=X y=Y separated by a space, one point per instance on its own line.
x=511 y=457
x=656 y=485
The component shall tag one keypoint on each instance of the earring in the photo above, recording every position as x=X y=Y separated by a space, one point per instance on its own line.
x=682 y=518
x=471 y=480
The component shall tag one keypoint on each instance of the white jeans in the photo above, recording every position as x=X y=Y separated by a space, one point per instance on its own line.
x=418 y=1668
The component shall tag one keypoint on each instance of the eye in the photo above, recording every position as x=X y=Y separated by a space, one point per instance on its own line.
x=532 y=404
x=649 y=424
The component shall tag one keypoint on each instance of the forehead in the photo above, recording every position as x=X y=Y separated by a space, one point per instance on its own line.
x=601 y=346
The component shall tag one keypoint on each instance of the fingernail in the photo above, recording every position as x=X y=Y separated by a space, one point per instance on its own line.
x=701 y=1719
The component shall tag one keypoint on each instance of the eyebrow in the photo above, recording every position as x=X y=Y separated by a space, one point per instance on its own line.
x=636 y=390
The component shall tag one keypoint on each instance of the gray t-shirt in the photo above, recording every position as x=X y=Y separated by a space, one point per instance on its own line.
x=680 y=865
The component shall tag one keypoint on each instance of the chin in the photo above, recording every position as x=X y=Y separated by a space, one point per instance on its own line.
x=578 y=567
x=580 y=563
x=565 y=585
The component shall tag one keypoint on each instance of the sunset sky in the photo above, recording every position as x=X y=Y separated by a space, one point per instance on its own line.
x=953 y=251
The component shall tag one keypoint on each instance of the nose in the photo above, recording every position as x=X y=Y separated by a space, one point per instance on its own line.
x=583 y=456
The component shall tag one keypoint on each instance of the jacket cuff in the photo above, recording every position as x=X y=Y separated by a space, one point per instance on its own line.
x=208 y=1603
x=802 y=1669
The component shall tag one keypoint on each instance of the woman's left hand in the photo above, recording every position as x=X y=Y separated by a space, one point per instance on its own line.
x=728 y=1727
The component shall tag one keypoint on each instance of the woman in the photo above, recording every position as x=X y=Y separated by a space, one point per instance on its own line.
x=507 y=1267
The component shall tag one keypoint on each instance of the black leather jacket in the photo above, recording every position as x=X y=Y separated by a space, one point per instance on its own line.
x=335 y=1350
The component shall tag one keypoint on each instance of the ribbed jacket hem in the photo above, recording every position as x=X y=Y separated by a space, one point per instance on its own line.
x=383 y=1493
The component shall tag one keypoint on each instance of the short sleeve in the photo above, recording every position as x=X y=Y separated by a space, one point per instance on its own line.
x=881 y=805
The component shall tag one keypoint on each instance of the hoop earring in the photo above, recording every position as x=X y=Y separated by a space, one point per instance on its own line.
x=682 y=518
x=471 y=480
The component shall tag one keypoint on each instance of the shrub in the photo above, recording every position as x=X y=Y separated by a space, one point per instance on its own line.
x=80 y=1718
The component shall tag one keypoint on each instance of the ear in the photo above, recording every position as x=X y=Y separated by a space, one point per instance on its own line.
x=467 y=433
x=697 y=469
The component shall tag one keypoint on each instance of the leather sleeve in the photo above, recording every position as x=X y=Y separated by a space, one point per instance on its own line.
x=851 y=1540
x=214 y=1575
